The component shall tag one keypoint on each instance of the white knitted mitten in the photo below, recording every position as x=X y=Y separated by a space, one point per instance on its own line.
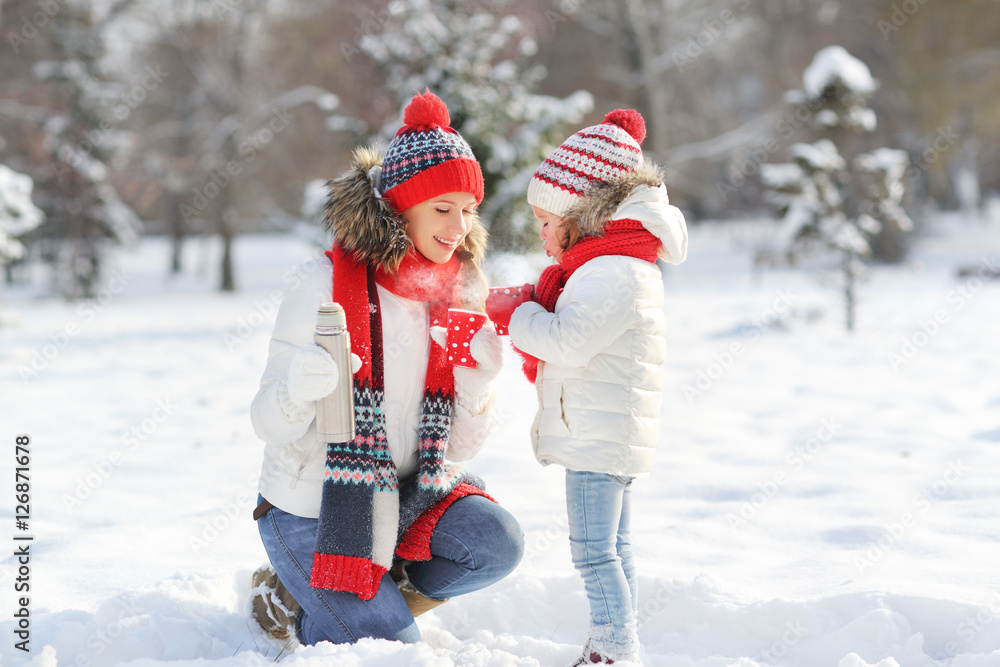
x=473 y=386
x=312 y=375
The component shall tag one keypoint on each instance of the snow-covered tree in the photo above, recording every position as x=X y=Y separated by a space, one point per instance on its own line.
x=475 y=56
x=84 y=213
x=221 y=108
x=830 y=205
x=879 y=179
x=18 y=214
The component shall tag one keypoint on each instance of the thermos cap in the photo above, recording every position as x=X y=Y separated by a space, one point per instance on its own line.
x=331 y=315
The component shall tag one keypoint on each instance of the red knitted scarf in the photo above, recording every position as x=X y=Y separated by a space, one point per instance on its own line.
x=621 y=237
x=364 y=509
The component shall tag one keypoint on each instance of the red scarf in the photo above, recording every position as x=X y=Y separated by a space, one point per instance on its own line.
x=366 y=515
x=627 y=238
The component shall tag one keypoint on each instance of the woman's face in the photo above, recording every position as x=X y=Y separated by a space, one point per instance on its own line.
x=552 y=233
x=436 y=226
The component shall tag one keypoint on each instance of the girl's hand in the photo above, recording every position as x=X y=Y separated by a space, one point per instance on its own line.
x=500 y=307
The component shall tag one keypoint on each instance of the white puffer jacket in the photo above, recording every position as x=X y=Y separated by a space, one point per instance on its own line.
x=294 y=457
x=601 y=352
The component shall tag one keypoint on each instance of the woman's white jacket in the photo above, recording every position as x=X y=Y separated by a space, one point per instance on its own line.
x=294 y=457
x=601 y=352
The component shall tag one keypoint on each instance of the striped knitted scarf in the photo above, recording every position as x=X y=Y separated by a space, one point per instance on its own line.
x=621 y=237
x=366 y=515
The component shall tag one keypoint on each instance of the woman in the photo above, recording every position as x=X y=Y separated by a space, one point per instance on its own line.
x=368 y=534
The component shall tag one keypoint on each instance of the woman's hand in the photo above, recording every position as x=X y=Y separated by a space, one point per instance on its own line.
x=473 y=385
x=312 y=375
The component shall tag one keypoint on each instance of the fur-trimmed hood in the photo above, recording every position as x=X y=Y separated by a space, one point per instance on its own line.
x=370 y=227
x=638 y=195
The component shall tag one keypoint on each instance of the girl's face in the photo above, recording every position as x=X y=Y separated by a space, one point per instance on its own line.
x=436 y=226
x=552 y=233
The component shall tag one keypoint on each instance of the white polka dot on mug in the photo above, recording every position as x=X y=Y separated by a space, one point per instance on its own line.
x=462 y=326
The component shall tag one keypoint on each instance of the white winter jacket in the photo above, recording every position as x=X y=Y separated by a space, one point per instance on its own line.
x=601 y=352
x=294 y=457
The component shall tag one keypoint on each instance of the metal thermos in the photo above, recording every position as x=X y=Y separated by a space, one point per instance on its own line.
x=335 y=413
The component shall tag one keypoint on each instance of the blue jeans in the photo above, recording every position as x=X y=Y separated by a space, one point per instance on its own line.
x=600 y=510
x=475 y=543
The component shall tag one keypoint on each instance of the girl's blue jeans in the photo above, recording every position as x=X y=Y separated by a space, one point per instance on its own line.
x=475 y=543
x=600 y=509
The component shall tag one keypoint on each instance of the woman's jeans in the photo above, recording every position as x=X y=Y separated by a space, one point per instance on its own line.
x=600 y=511
x=475 y=543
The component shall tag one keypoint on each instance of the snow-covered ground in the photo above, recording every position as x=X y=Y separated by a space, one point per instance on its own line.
x=820 y=498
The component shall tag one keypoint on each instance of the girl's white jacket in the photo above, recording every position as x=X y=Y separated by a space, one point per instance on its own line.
x=294 y=457
x=601 y=352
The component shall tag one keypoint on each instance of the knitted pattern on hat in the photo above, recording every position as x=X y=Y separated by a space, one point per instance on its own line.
x=597 y=153
x=428 y=158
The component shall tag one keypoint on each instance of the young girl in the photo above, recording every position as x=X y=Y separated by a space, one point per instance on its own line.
x=337 y=518
x=592 y=335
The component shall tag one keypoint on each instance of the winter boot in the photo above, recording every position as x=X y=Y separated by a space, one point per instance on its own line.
x=271 y=604
x=601 y=649
x=416 y=601
x=591 y=657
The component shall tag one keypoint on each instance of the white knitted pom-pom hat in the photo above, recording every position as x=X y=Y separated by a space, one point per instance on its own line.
x=597 y=153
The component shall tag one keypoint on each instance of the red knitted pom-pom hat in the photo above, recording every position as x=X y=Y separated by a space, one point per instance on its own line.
x=428 y=158
x=597 y=153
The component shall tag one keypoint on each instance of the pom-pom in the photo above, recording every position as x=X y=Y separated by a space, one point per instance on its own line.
x=426 y=109
x=629 y=120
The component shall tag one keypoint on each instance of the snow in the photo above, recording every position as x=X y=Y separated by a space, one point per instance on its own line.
x=314 y=197
x=782 y=176
x=822 y=155
x=892 y=161
x=18 y=214
x=819 y=499
x=833 y=64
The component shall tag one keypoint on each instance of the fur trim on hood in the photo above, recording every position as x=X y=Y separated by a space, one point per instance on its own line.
x=639 y=195
x=370 y=227
x=606 y=197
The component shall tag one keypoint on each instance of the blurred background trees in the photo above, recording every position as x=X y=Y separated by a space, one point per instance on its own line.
x=211 y=118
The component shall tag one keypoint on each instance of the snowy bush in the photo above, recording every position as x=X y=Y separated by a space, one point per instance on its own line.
x=828 y=204
x=476 y=58
x=84 y=212
x=18 y=214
